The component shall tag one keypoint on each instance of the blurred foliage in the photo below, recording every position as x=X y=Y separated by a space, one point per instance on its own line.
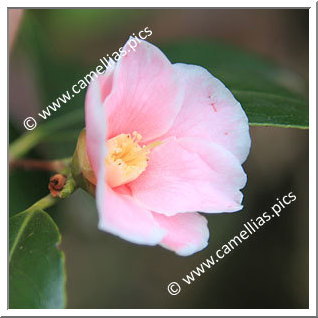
x=25 y=187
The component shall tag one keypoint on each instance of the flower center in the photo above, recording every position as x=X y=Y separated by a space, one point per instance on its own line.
x=126 y=159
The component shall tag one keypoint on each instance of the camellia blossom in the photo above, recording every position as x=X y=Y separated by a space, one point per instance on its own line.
x=163 y=141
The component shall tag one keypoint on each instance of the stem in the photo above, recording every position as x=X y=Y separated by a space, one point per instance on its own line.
x=24 y=143
x=49 y=165
x=42 y=204
x=28 y=140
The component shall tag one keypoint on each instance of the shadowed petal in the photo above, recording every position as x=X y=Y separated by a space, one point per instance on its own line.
x=177 y=180
x=119 y=214
x=145 y=96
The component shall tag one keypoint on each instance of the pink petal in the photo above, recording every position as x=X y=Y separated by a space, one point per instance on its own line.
x=226 y=166
x=177 y=180
x=210 y=112
x=145 y=96
x=106 y=82
x=95 y=127
x=187 y=233
x=119 y=214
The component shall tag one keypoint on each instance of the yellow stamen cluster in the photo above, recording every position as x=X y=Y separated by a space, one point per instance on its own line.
x=126 y=159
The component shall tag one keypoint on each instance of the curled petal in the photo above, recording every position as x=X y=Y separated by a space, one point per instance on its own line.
x=96 y=129
x=187 y=233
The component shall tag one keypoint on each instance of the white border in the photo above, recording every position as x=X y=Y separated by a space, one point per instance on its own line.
x=166 y=3
x=312 y=174
x=312 y=158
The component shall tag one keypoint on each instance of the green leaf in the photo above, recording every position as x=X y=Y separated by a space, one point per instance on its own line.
x=269 y=94
x=36 y=265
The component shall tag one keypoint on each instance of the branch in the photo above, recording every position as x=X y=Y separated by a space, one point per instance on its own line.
x=42 y=204
x=33 y=164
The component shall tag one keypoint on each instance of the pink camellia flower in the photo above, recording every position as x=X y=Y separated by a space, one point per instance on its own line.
x=164 y=141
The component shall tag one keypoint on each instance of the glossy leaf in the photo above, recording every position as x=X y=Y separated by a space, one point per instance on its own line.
x=269 y=94
x=36 y=265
